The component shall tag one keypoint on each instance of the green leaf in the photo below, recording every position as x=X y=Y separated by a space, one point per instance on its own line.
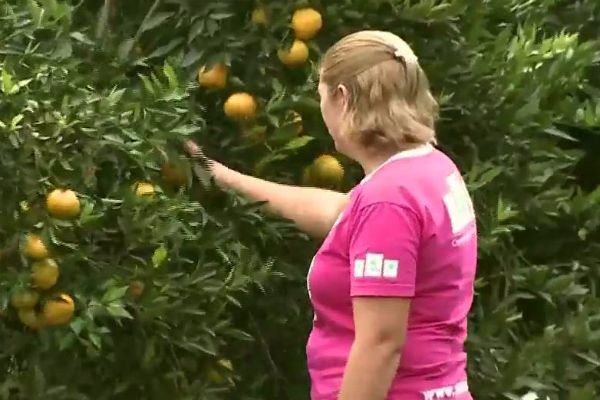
x=95 y=339
x=560 y=134
x=171 y=76
x=118 y=311
x=166 y=49
x=80 y=37
x=156 y=20
x=14 y=123
x=262 y=164
x=115 y=96
x=7 y=82
x=37 y=12
x=114 y=293
x=77 y=325
x=220 y=16
x=159 y=256
x=67 y=340
x=147 y=84
x=298 y=142
x=530 y=109
x=125 y=48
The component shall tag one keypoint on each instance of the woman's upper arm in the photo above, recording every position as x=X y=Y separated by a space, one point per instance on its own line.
x=336 y=202
x=383 y=251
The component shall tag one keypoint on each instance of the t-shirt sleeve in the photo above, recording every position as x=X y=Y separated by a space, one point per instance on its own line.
x=384 y=243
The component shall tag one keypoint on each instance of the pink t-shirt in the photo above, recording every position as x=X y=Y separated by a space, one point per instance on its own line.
x=408 y=231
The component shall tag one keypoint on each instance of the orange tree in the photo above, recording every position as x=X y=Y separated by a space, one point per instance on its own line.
x=123 y=276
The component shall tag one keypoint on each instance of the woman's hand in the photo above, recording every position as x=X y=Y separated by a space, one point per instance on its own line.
x=203 y=165
x=192 y=149
x=195 y=152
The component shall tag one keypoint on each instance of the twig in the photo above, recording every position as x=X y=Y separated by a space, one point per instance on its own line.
x=146 y=18
x=263 y=343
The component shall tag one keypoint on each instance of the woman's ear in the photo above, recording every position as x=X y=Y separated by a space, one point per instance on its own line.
x=344 y=95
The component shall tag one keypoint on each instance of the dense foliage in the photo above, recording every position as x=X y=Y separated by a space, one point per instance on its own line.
x=183 y=291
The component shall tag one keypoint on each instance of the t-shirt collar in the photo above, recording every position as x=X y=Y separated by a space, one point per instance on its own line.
x=416 y=152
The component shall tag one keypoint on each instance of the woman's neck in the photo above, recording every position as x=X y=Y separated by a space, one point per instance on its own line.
x=371 y=160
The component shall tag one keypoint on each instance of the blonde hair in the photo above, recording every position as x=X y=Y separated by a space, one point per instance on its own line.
x=390 y=100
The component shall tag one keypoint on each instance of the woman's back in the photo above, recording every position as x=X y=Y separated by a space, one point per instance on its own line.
x=421 y=244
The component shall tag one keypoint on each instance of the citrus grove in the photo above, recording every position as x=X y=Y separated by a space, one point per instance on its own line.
x=126 y=273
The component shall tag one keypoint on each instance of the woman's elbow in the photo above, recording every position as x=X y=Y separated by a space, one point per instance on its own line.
x=383 y=341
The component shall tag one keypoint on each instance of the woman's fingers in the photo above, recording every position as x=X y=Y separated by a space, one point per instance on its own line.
x=201 y=165
x=192 y=149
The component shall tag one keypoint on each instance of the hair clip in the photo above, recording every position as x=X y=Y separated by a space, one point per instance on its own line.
x=400 y=56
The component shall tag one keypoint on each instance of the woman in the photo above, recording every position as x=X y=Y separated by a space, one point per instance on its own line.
x=392 y=282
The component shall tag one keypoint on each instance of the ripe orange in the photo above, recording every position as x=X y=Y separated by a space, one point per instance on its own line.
x=35 y=248
x=306 y=23
x=24 y=299
x=173 y=175
x=136 y=289
x=307 y=179
x=44 y=274
x=144 y=189
x=240 y=106
x=214 y=77
x=295 y=56
x=327 y=171
x=58 y=311
x=63 y=203
x=30 y=318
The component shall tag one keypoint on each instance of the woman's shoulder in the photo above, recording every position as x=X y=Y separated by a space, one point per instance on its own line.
x=381 y=191
x=407 y=183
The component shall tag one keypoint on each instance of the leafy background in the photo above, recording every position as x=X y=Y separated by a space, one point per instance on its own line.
x=98 y=95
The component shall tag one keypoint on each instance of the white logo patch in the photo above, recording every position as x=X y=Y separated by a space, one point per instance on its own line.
x=390 y=268
x=446 y=392
x=376 y=266
x=359 y=268
x=458 y=203
x=373 y=265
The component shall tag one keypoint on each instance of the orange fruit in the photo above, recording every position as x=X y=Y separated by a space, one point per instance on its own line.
x=173 y=175
x=144 y=189
x=327 y=171
x=30 y=318
x=296 y=55
x=306 y=23
x=240 y=106
x=63 y=203
x=44 y=273
x=307 y=179
x=58 y=311
x=35 y=248
x=214 y=77
x=136 y=289
x=24 y=299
